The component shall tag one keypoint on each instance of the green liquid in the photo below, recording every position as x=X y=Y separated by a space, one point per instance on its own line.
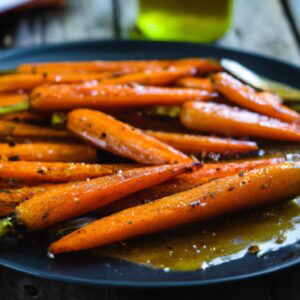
x=184 y=20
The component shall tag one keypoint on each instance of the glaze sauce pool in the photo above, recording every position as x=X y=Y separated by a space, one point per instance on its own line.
x=222 y=240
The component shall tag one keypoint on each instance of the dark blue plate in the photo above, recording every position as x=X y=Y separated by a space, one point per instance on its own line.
x=86 y=268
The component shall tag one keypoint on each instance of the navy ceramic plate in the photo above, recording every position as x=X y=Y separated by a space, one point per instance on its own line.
x=84 y=268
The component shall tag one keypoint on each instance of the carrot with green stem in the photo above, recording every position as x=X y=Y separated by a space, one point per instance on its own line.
x=196 y=83
x=120 y=138
x=185 y=182
x=76 y=198
x=33 y=172
x=247 y=97
x=48 y=151
x=49 y=98
x=195 y=144
x=232 y=121
x=202 y=65
x=255 y=188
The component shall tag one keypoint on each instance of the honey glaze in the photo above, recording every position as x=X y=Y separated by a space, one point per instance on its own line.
x=222 y=240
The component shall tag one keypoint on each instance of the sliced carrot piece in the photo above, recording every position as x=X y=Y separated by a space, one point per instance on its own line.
x=120 y=138
x=48 y=151
x=15 y=82
x=13 y=129
x=188 y=181
x=196 y=83
x=255 y=188
x=202 y=65
x=28 y=171
x=76 y=198
x=49 y=98
x=218 y=118
x=247 y=97
x=194 y=144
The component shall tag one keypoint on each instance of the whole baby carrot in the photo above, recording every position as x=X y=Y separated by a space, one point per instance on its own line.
x=202 y=65
x=158 y=77
x=120 y=138
x=196 y=83
x=248 y=98
x=185 y=182
x=48 y=151
x=255 y=188
x=76 y=198
x=30 y=172
x=49 y=98
x=194 y=144
x=15 y=82
x=232 y=121
x=14 y=129
x=11 y=197
x=12 y=98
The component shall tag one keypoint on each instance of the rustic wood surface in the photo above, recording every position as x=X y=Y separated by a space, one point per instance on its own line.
x=259 y=26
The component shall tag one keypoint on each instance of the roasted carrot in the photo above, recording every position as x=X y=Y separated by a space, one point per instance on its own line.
x=255 y=188
x=152 y=77
x=17 y=81
x=11 y=197
x=48 y=151
x=247 y=97
x=49 y=98
x=196 y=83
x=218 y=118
x=120 y=138
x=74 y=199
x=11 y=99
x=29 y=117
x=188 y=181
x=202 y=65
x=13 y=129
x=28 y=171
x=195 y=144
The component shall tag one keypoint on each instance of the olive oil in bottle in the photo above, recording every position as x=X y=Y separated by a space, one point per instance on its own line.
x=184 y=20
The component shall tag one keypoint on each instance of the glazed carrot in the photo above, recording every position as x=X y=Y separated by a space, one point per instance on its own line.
x=16 y=82
x=29 y=117
x=188 y=181
x=218 y=118
x=203 y=66
x=76 y=198
x=14 y=129
x=152 y=77
x=120 y=138
x=196 y=83
x=11 y=99
x=11 y=197
x=194 y=144
x=48 y=151
x=247 y=97
x=255 y=188
x=49 y=98
x=27 y=171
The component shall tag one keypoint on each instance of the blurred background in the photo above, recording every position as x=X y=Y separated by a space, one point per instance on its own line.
x=270 y=26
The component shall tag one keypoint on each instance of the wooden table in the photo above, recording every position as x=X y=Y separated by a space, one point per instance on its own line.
x=260 y=26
